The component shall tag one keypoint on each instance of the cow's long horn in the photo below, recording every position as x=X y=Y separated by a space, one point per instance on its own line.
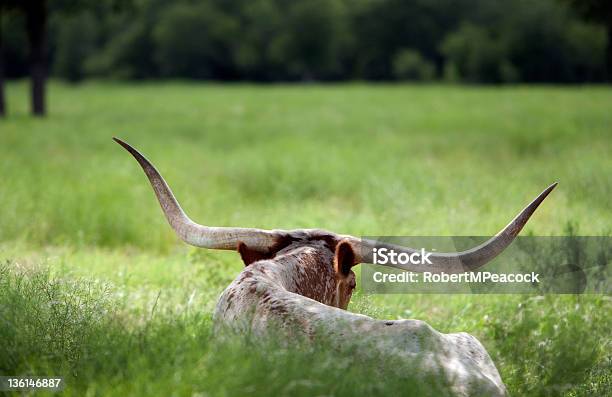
x=458 y=262
x=192 y=233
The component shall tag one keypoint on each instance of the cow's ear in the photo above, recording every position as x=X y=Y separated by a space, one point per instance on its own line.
x=249 y=255
x=344 y=258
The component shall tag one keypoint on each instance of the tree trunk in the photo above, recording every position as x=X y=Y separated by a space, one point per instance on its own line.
x=36 y=24
x=2 y=102
x=609 y=54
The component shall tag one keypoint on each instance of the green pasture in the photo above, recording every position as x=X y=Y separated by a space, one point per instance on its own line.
x=94 y=285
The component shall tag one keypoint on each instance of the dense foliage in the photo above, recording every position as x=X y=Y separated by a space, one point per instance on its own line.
x=479 y=41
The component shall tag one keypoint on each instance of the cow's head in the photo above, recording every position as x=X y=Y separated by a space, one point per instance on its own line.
x=327 y=257
x=320 y=264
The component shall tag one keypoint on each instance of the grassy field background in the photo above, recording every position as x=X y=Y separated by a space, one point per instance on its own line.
x=96 y=287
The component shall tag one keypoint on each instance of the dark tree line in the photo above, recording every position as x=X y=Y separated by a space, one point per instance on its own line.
x=476 y=41
x=601 y=12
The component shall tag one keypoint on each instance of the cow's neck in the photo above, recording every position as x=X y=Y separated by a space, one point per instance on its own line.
x=305 y=271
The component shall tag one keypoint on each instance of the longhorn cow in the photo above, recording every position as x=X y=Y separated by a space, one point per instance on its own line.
x=301 y=281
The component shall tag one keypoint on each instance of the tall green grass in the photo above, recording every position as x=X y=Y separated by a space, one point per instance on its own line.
x=95 y=286
x=89 y=332
x=74 y=328
x=374 y=160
